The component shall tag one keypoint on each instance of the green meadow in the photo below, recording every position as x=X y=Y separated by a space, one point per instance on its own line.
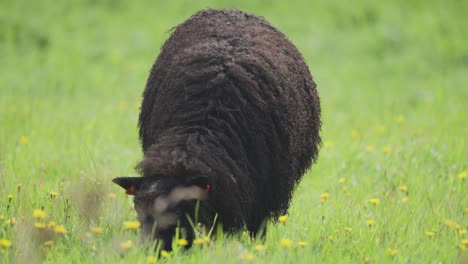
x=390 y=184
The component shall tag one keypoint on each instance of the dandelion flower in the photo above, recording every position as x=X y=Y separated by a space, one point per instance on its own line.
x=18 y=187
x=374 y=201
x=198 y=241
x=430 y=234
x=207 y=239
x=348 y=229
x=49 y=243
x=449 y=223
x=392 y=252
x=404 y=188
x=126 y=244
x=342 y=180
x=370 y=148
x=96 y=230
x=286 y=243
x=283 y=219
x=11 y=221
x=135 y=225
x=54 y=194
x=247 y=256
x=51 y=225
x=386 y=149
x=354 y=134
x=464 y=242
x=461 y=232
x=182 y=242
x=165 y=253
x=330 y=238
x=39 y=214
x=370 y=222
x=60 y=229
x=302 y=244
x=400 y=119
x=260 y=248
x=462 y=175
x=40 y=225
x=24 y=140
x=10 y=197
x=5 y=243
x=325 y=195
x=405 y=199
x=152 y=259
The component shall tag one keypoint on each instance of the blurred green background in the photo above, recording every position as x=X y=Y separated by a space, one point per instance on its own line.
x=390 y=74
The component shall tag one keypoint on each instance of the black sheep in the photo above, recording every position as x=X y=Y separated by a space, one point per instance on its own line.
x=230 y=119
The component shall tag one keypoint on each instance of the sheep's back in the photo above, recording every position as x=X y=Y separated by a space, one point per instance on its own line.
x=231 y=72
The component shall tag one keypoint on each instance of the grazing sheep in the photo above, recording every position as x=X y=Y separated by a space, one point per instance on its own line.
x=229 y=123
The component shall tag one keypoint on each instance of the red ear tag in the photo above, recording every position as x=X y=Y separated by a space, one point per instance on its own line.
x=130 y=190
x=207 y=188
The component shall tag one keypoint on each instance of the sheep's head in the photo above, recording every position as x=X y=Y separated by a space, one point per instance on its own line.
x=164 y=203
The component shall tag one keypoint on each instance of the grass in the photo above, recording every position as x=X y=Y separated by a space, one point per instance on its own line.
x=388 y=187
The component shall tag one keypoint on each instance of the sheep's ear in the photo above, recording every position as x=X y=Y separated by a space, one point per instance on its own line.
x=130 y=184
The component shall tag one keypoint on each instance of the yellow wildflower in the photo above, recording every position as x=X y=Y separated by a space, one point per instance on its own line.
x=462 y=175
x=24 y=140
x=392 y=252
x=165 y=253
x=386 y=149
x=466 y=209
x=126 y=244
x=330 y=238
x=449 y=223
x=328 y=144
x=354 y=134
x=96 y=230
x=348 y=229
x=461 y=232
x=40 y=225
x=286 y=243
x=302 y=243
x=198 y=241
x=342 y=180
x=400 y=119
x=374 y=201
x=39 y=214
x=405 y=199
x=18 y=187
x=1 y=217
x=464 y=242
x=370 y=222
x=325 y=195
x=260 y=248
x=11 y=221
x=51 y=225
x=54 y=194
x=10 y=197
x=5 y=243
x=430 y=234
x=49 y=243
x=182 y=242
x=60 y=229
x=247 y=256
x=283 y=219
x=207 y=239
x=404 y=188
x=152 y=259
x=370 y=148
x=132 y=225
x=367 y=259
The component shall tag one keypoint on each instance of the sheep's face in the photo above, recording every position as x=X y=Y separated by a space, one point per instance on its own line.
x=163 y=203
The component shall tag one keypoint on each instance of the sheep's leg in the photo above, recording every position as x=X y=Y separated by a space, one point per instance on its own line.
x=257 y=229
